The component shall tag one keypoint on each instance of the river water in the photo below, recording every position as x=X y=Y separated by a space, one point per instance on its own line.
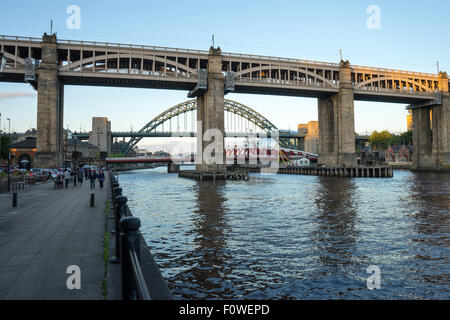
x=296 y=237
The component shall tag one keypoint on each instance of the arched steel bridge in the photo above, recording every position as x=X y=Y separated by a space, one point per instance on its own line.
x=231 y=106
x=140 y=66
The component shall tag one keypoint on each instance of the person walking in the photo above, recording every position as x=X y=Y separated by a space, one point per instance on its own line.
x=101 y=178
x=80 y=177
x=93 y=177
x=67 y=177
x=86 y=173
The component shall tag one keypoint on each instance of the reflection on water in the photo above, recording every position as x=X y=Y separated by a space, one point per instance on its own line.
x=296 y=237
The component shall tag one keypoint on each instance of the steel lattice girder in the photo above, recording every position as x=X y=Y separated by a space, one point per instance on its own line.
x=191 y=105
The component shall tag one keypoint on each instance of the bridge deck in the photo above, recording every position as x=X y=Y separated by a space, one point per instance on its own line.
x=141 y=66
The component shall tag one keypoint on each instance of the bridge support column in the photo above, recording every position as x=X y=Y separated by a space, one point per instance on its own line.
x=441 y=133
x=49 y=142
x=422 y=138
x=173 y=168
x=337 y=124
x=431 y=135
x=210 y=119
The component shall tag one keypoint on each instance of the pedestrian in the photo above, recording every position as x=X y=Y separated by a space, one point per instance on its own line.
x=86 y=173
x=80 y=177
x=93 y=177
x=67 y=177
x=101 y=178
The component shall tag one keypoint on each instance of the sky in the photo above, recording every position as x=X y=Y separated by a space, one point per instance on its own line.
x=412 y=35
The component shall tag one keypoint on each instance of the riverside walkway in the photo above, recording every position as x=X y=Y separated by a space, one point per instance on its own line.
x=47 y=232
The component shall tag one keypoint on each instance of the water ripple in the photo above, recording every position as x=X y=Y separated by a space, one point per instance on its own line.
x=296 y=237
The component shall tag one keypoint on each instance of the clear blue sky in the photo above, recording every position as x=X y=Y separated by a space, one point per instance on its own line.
x=413 y=36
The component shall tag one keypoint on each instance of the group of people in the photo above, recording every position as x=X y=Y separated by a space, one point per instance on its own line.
x=76 y=175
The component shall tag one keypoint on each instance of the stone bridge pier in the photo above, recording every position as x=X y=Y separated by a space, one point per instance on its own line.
x=337 y=123
x=210 y=118
x=49 y=142
x=431 y=131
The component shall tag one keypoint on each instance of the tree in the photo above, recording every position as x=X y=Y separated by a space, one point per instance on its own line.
x=407 y=137
x=4 y=147
x=380 y=140
x=404 y=138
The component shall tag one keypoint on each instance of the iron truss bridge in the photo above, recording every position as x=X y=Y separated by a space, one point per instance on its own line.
x=237 y=116
x=129 y=65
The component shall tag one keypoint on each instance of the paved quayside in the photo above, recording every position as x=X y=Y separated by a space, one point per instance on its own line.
x=48 y=231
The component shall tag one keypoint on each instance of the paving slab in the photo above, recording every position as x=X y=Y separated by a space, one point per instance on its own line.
x=47 y=232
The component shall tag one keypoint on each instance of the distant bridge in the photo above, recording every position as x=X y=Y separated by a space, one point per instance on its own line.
x=237 y=116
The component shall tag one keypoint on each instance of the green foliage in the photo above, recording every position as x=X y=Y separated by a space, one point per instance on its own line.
x=116 y=155
x=382 y=140
x=4 y=147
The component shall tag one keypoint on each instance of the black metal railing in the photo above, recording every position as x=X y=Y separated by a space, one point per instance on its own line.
x=127 y=246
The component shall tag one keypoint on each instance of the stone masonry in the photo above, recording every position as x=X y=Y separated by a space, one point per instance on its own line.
x=337 y=124
x=210 y=113
x=50 y=108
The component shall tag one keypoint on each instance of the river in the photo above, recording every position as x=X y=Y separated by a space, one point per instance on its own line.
x=296 y=237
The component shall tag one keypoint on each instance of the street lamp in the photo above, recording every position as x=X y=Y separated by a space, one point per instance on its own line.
x=75 y=137
x=9 y=153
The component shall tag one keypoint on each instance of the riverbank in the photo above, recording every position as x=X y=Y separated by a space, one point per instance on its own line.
x=49 y=231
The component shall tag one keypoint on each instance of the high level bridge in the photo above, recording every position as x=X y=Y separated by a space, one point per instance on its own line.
x=49 y=64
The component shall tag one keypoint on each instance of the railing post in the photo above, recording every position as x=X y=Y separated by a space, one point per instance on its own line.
x=14 y=200
x=129 y=240
x=118 y=208
x=92 y=200
x=116 y=192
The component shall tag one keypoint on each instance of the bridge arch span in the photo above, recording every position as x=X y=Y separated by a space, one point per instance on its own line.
x=191 y=105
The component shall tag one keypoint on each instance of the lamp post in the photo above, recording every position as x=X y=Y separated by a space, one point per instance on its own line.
x=9 y=154
x=75 y=137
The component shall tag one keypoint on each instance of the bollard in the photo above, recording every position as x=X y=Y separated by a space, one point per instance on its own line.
x=129 y=241
x=120 y=203
x=14 y=202
x=92 y=200
x=116 y=192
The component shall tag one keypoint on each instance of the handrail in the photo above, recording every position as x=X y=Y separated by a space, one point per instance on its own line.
x=225 y=55
x=142 y=290
x=134 y=286
x=20 y=38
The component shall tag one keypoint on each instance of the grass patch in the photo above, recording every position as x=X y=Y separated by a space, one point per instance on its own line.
x=106 y=252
